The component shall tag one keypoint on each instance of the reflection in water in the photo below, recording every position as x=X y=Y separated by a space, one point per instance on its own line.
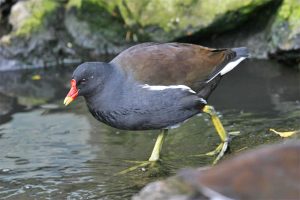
x=50 y=151
x=254 y=86
x=39 y=140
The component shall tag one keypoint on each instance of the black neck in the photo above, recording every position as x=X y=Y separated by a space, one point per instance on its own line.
x=114 y=83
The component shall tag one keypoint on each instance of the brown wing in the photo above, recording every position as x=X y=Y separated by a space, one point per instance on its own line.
x=173 y=63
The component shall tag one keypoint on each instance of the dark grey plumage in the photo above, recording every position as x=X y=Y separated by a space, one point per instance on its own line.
x=126 y=104
x=118 y=95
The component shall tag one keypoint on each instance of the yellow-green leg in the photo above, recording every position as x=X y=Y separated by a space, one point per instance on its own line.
x=158 y=146
x=155 y=155
x=222 y=147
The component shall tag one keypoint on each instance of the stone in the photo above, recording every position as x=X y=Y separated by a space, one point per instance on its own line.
x=285 y=32
x=269 y=172
x=168 y=20
x=92 y=27
x=7 y=104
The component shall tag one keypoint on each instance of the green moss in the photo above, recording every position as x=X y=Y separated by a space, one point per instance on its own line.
x=74 y=3
x=294 y=19
x=200 y=13
x=285 y=11
x=286 y=26
x=109 y=6
x=157 y=20
x=38 y=12
x=176 y=17
x=98 y=15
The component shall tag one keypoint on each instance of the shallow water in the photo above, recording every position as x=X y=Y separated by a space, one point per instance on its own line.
x=48 y=151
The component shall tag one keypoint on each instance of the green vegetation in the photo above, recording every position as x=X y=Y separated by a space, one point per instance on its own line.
x=286 y=27
x=38 y=12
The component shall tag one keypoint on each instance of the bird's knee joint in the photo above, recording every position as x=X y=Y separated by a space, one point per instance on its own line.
x=209 y=110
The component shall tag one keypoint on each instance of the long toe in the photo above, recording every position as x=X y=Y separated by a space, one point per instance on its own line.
x=222 y=151
x=219 y=152
x=142 y=165
x=151 y=167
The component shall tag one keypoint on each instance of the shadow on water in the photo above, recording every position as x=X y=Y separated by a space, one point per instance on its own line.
x=51 y=151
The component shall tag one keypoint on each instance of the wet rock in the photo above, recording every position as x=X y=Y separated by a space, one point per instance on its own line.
x=168 y=20
x=111 y=27
x=6 y=104
x=270 y=172
x=94 y=28
x=5 y=6
x=36 y=38
x=26 y=91
x=251 y=33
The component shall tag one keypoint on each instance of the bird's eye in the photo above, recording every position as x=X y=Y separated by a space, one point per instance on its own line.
x=81 y=82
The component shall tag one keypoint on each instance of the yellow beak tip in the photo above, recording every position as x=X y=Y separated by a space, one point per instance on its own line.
x=68 y=100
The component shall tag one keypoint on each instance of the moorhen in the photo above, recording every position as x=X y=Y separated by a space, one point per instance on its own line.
x=155 y=86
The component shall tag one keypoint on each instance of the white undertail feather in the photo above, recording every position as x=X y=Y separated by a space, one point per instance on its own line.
x=231 y=65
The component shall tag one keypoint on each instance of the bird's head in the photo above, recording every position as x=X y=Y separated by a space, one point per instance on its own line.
x=87 y=79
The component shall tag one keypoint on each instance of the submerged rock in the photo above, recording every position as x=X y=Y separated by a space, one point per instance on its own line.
x=270 y=172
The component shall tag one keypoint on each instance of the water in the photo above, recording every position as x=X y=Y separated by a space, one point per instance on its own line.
x=48 y=151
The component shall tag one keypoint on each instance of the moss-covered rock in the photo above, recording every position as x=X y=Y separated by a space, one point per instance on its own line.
x=285 y=32
x=95 y=25
x=167 y=20
x=50 y=32
x=286 y=27
x=36 y=38
x=29 y=16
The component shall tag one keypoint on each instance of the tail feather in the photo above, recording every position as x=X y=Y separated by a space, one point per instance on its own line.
x=209 y=85
x=241 y=54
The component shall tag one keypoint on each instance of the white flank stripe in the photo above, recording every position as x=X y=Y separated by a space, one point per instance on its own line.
x=161 y=87
x=231 y=65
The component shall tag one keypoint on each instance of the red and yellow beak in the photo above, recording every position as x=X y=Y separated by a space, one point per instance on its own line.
x=73 y=93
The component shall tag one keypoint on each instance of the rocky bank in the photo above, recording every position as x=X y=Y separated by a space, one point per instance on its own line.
x=37 y=33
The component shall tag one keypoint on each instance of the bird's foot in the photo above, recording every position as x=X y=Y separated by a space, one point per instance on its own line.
x=154 y=160
x=219 y=151
x=283 y=134
x=221 y=148
x=139 y=165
